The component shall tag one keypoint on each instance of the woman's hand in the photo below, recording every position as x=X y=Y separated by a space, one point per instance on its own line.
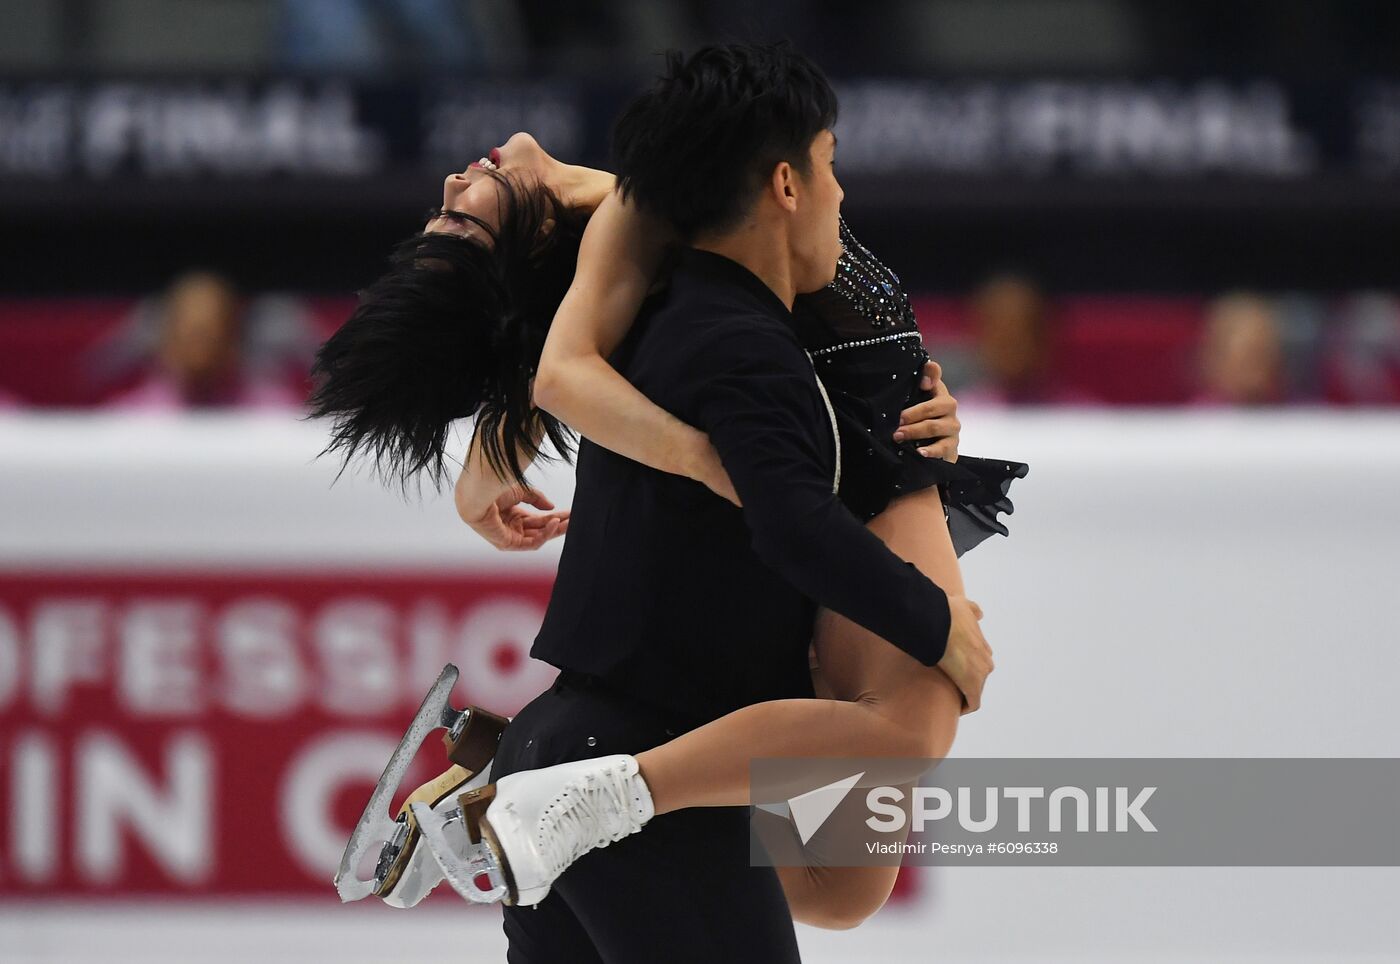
x=511 y=528
x=936 y=418
x=707 y=469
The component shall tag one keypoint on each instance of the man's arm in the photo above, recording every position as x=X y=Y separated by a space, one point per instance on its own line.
x=757 y=397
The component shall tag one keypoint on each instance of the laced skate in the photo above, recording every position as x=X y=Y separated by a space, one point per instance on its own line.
x=404 y=873
x=526 y=829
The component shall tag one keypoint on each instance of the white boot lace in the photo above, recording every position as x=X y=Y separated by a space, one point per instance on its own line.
x=590 y=811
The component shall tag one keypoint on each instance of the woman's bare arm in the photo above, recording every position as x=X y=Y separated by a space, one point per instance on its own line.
x=618 y=260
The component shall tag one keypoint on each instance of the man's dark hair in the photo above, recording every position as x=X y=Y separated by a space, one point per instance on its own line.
x=453 y=329
x=698 y=146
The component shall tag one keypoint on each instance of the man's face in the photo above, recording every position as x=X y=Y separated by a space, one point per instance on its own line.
x=817 y=234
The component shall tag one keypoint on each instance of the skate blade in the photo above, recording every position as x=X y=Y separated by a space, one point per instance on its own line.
x=462 y=860
x=413 y=874
x=375 y=827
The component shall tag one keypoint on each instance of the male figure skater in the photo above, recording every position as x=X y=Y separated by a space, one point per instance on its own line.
x=671 y=607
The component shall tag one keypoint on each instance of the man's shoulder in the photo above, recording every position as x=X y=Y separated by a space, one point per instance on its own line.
x=688 y=337
x=721 y=331
x=750 y=339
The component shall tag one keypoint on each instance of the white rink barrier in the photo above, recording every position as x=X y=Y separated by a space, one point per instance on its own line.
x=1176 y=584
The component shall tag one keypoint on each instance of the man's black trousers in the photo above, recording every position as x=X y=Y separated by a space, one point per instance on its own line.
x=681 y=890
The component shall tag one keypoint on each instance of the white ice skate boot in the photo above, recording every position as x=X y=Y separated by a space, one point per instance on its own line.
x=404 y=872
x=526 y=829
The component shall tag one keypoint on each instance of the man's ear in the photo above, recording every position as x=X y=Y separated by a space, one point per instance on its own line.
x=784 y=186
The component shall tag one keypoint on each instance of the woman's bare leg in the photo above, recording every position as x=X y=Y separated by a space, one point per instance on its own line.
x=856 y=665
x=889 y=704
x=886 y=704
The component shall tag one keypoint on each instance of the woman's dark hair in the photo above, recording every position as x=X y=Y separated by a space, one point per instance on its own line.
x=454 y=328
x=697 y=147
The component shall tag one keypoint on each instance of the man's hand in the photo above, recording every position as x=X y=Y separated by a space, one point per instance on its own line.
x=509 y=527
x=968 y=658
x=936 y=418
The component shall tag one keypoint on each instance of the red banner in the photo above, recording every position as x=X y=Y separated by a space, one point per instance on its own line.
x=218 y=733
x=215 y=733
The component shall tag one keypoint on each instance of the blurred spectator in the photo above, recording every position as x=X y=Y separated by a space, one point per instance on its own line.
x=198 y=359
x=1303 y=323
x=1363 y=356
x=1241 y=353
x=1014 y=364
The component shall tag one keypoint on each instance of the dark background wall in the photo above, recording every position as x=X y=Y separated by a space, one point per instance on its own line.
x=66 y=228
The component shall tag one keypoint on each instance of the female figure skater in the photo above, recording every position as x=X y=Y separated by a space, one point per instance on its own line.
x=459 y=326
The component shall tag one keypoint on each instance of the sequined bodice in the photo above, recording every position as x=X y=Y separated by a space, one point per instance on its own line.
x=864 y=304
x=871 y=288
x=865 y=345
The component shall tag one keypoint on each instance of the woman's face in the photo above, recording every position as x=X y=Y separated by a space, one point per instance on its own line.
x=476 y=192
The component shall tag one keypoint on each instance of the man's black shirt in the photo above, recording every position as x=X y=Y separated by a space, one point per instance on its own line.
x=674 y=596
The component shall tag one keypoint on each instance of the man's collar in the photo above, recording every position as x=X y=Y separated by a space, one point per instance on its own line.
x=706 y=266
